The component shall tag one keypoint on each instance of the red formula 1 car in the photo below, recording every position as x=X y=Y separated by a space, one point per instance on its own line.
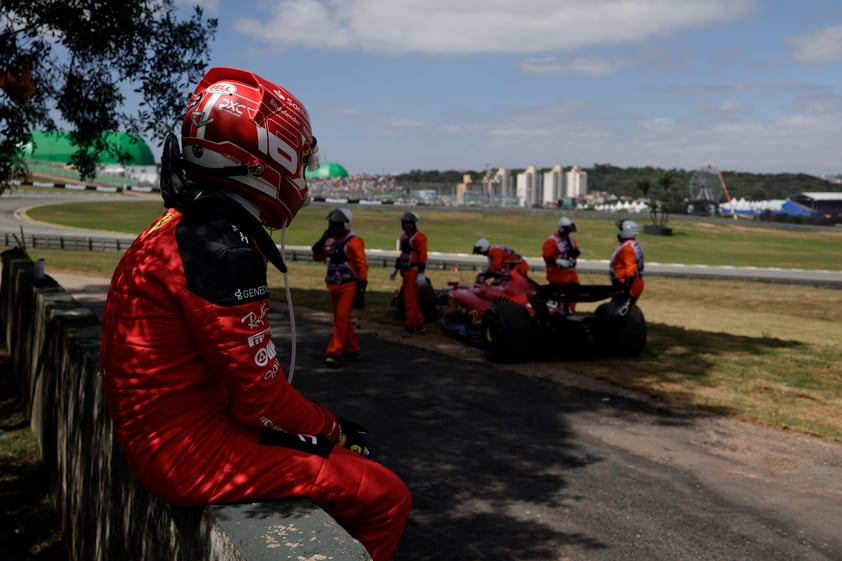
x=512 y=317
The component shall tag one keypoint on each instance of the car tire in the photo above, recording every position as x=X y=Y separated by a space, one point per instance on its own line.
x=506 y=330
x=621 y=335
x=630 y=337
x=426 y=300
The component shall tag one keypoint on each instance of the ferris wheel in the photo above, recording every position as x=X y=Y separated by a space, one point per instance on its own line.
x=707 y=186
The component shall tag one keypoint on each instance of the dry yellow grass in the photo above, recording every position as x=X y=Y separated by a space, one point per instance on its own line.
x=768 y=353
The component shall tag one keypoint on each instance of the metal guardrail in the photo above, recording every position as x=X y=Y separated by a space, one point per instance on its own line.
x=468 y=262
x=81 y=243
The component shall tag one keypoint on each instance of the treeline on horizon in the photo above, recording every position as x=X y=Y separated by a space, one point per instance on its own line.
x=623 y=182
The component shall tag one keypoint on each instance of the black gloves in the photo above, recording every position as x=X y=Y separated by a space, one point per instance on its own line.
x=625 y=284
x=319 y=245
x=352 y=436
x=359 y=297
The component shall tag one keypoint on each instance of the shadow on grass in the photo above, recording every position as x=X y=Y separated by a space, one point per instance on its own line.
x=676 y=363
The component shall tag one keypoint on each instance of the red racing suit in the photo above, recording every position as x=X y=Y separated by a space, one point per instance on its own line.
x=346 y=265
x=199 y=402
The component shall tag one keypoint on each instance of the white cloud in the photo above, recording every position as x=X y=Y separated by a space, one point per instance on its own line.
x=477 y=26
x=591 y=65
x=733 y=107
x=818 y=47
x=796 y=143
x=820 y=104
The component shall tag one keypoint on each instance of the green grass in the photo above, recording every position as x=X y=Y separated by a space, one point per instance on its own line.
x=777 y=382
x=25 y=496
x=723 y=242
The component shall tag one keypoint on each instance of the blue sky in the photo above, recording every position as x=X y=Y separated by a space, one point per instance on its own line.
x=396 y=85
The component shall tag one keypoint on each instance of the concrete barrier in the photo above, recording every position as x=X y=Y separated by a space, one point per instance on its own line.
x=105 y=513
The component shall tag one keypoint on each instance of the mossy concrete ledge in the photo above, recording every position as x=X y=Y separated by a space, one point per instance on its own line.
x=105 y=514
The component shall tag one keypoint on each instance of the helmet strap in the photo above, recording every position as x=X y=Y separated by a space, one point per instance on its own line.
x=210 y=203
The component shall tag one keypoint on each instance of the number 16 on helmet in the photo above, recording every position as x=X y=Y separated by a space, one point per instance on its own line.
x=251 y=137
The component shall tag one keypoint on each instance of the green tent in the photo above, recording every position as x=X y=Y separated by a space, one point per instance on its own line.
x=327 y=170
x=57 y=147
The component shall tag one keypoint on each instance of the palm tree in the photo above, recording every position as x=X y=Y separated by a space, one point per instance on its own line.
x=645 y=186
x=665 y=181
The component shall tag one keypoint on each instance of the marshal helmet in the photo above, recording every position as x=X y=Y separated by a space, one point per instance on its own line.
x=481 y=247
x=627 y=229
x=566 y=225
x=340 y=216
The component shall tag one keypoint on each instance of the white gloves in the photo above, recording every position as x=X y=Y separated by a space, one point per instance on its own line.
x=563 y=263
x=421 y=280
x=393 y=274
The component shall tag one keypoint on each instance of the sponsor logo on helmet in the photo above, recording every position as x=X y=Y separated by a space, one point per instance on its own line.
x=198 y=118
x=234 y=107
x=194 y=100
x=222 y=88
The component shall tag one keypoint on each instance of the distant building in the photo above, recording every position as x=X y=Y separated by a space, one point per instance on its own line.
x=49 y=154
x=528 y=188
x=576 y=183
x=815 y=205
x=553 y=186
x=493 y=189
x=821 y=204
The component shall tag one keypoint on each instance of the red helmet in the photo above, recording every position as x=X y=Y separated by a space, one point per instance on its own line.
x=246 y=134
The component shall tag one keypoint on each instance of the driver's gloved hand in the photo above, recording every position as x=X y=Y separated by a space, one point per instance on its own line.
x=352 y=436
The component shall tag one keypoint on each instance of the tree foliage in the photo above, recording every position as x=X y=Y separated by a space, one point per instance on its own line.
x=623 y=182
x=73 y=59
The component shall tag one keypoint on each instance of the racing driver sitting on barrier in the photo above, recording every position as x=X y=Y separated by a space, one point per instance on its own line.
x=200 y=404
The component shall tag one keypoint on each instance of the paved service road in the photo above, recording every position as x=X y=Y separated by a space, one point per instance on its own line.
x=11 y=203
x=530 y=462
